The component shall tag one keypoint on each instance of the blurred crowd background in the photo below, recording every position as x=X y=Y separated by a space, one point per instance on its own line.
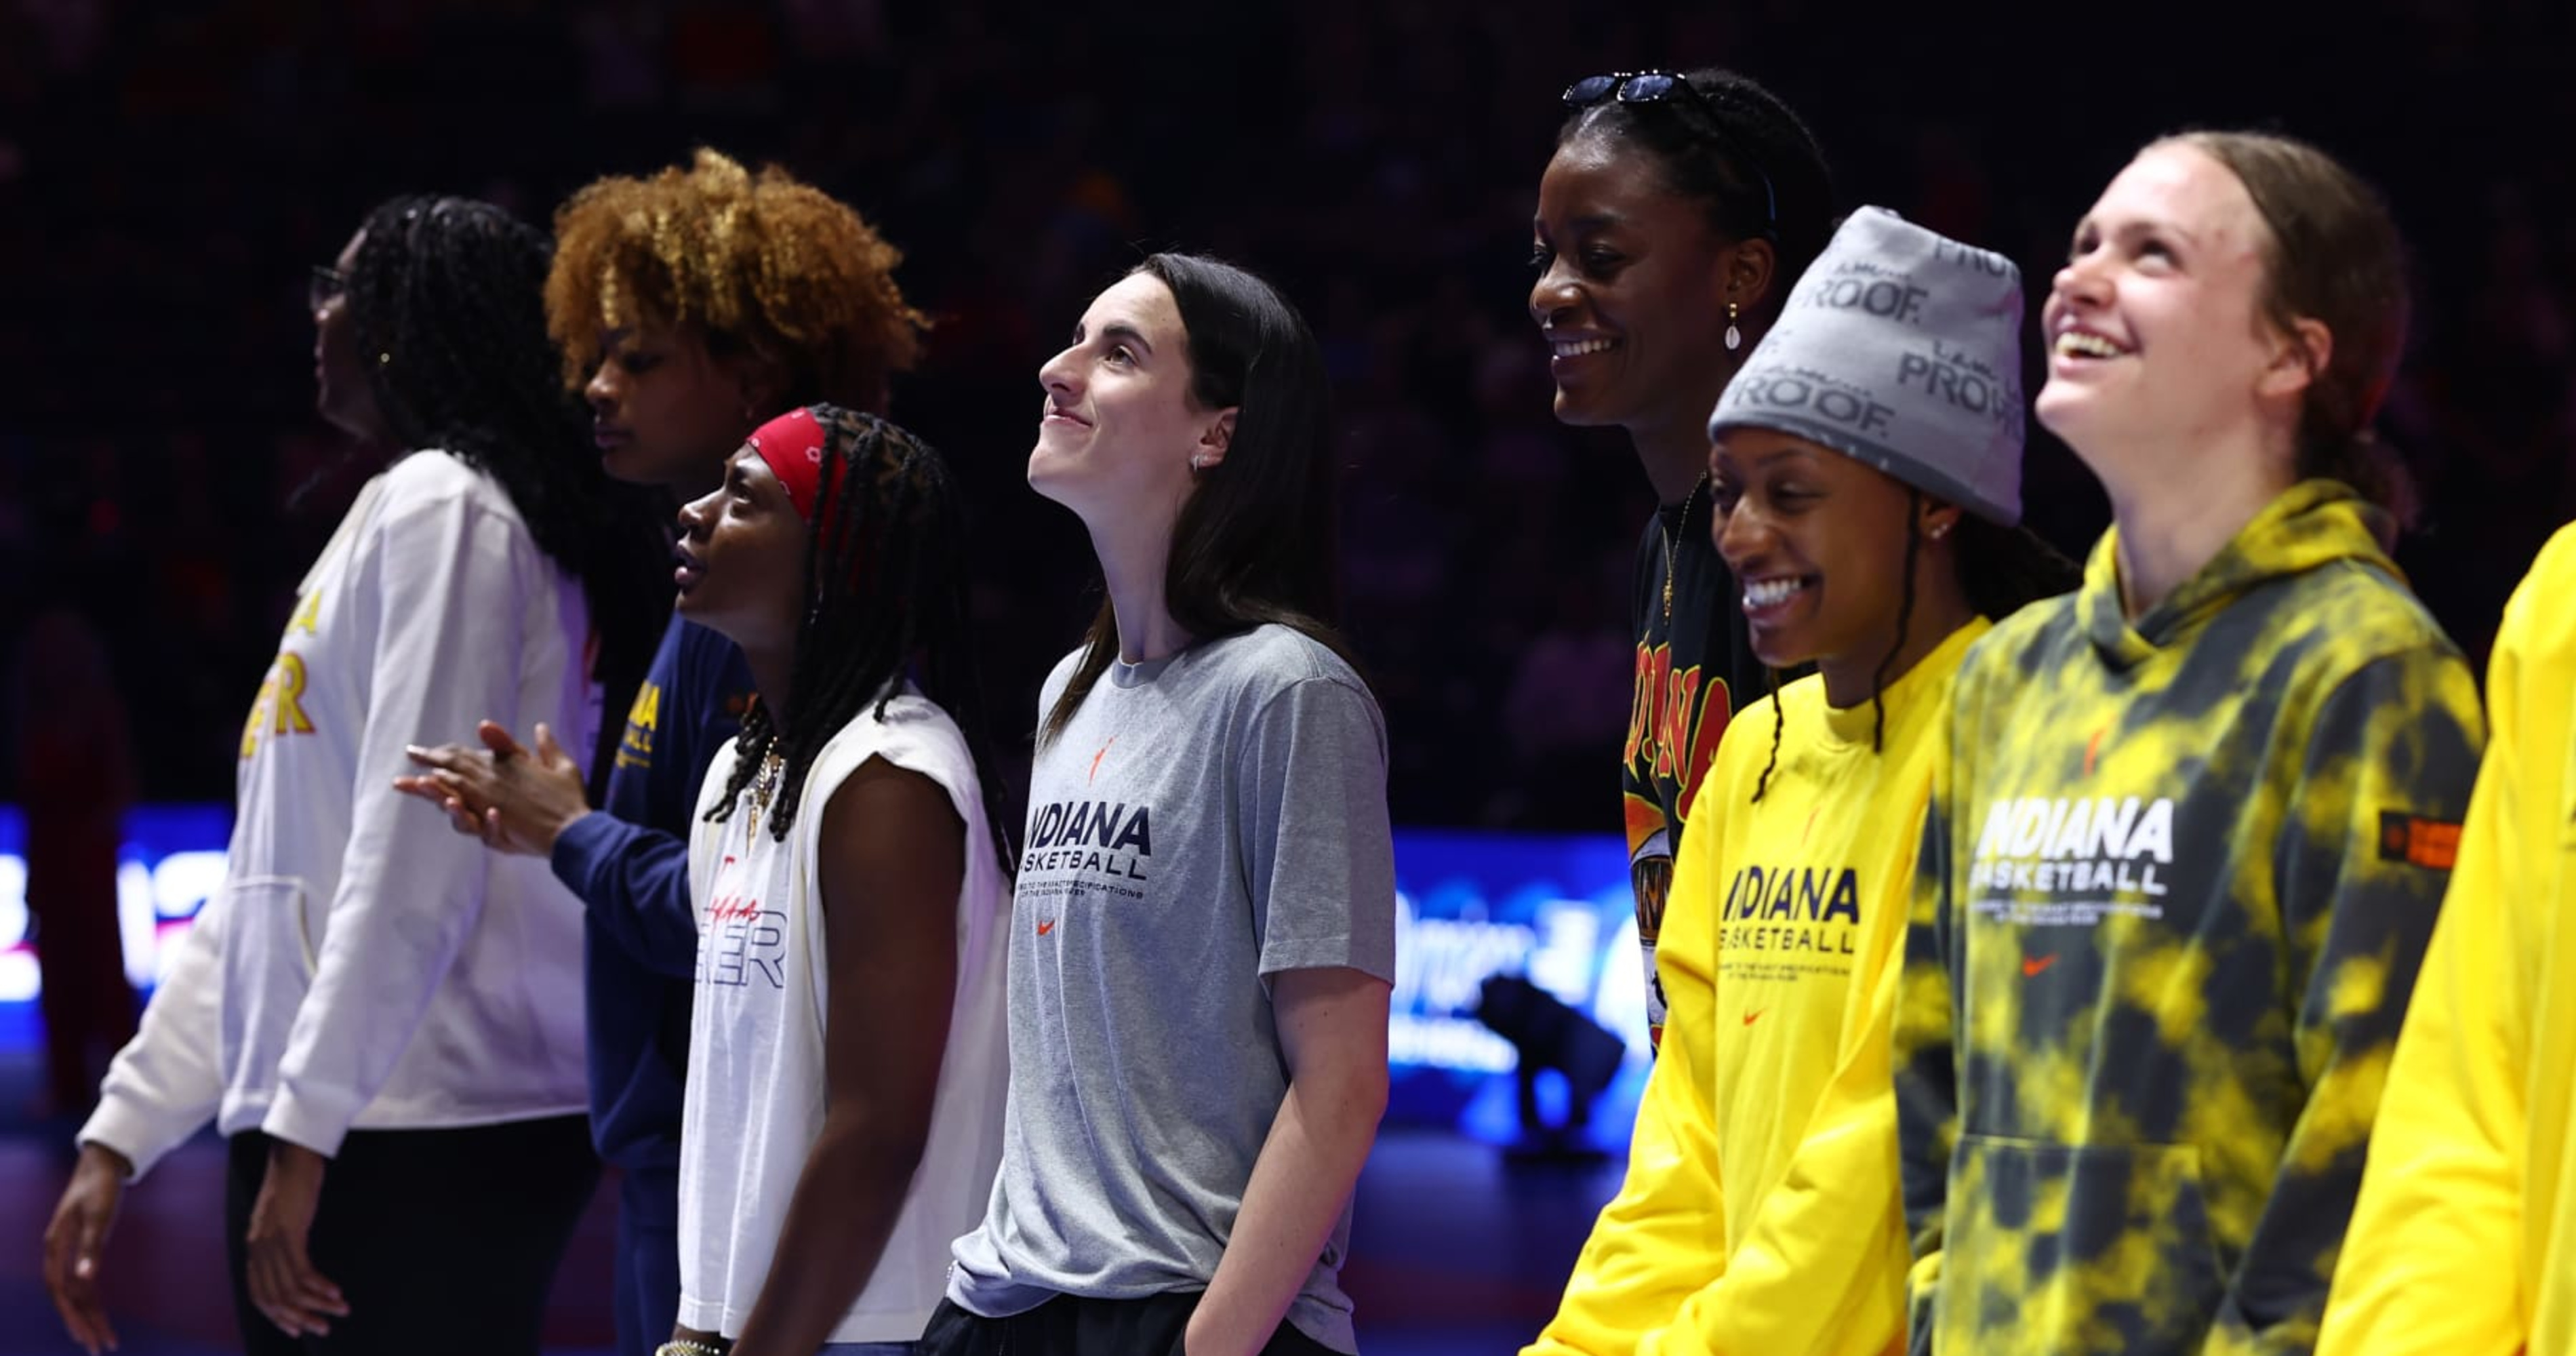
x=169 y=170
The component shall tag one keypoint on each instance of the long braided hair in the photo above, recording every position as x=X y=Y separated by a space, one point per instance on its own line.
x=2000 y=569
x=445 y=302
x=885 y=597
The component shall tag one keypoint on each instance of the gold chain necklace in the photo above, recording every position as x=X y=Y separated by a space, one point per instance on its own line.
x=1672 y=538
x=763 y=786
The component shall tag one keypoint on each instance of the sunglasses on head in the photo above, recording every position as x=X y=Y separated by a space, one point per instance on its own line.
x=1654 y=87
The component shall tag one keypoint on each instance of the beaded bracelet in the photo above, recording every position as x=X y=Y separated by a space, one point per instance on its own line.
x=681 y=1346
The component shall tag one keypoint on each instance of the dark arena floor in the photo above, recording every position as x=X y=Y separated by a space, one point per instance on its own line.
x=1453 y=1251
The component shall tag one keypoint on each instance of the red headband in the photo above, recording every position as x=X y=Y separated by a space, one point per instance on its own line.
x=793 y=445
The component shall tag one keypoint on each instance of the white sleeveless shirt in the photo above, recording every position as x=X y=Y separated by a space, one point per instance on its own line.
x=755 y=1097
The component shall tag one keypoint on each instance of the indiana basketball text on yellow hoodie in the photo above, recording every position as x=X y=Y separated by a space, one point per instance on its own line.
x=2464 y=1242
x=1760 y=1211
x=2177 y=878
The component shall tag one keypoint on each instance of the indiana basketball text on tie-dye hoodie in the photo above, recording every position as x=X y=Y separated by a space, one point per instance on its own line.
x=2175 y=885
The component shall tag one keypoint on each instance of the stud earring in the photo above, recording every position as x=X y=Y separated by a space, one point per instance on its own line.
x=1734 y=336
x=1940 y=530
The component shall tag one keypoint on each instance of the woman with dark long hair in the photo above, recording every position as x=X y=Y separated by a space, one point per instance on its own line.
x=1205 y=913
x=1672 y=218
x=372 y=1009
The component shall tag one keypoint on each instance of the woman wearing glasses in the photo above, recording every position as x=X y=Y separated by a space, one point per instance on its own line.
x=1671 y=220
x=372 y=1010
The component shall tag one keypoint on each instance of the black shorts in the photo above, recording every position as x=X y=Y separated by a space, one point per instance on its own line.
x=1070 y=1325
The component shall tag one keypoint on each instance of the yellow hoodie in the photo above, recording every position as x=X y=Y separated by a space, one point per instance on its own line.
x=1760 y=1212
x=2464 y=1240
x=2178 y=875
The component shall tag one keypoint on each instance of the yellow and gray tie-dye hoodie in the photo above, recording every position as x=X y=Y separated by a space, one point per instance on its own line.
x=2175 y=884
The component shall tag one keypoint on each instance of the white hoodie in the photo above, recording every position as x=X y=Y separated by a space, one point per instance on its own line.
x=364 y=966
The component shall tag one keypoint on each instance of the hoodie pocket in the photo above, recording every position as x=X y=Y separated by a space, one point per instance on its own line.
x=2066 y=1248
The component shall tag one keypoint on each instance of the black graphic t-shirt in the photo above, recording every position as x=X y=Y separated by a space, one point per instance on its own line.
x=1691 y=663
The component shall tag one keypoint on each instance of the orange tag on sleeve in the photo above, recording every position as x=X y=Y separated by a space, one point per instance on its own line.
x=2430 y=843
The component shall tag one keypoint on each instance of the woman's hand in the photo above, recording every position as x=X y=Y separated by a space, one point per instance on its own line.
x=76 y=1237
x=283 y=1284
x=513 y=799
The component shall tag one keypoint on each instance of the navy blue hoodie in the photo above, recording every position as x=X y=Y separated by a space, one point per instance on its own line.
x=630 y=862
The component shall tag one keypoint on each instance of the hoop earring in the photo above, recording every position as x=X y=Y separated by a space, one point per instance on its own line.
x=1734 y=336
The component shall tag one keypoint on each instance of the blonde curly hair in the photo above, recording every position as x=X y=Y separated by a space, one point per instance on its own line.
x=762 y=262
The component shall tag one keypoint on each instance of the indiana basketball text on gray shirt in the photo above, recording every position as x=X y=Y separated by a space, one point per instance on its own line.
x=1202 y=823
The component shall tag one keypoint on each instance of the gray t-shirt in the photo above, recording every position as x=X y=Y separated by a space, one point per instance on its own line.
x=1202 y=823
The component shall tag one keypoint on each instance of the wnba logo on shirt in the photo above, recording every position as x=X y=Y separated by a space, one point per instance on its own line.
x=1091 y=835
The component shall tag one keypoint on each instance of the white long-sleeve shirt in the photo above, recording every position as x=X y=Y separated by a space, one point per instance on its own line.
x=364 y=966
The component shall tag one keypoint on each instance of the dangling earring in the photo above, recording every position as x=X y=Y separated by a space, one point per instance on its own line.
x=1198 y=461
x=1734 y=336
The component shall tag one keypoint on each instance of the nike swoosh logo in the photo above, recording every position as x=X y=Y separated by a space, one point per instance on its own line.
x=1751 y=1017
x=1045 y=928
x=2031 y=967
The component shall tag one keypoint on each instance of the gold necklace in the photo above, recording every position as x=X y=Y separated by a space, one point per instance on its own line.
x=1672 y=537
x=763 y=786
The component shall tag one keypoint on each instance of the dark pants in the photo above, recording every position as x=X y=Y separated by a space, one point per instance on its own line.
x=442 y=1241
x=1070 y=1325
x=648 y=1259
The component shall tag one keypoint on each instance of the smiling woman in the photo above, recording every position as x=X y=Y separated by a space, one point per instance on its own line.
x=1868 y=514
x=1671 y=219
x=2177 y=1038
x=1199 y=1001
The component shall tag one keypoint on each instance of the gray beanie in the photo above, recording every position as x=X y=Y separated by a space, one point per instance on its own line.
x=1902 y=349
